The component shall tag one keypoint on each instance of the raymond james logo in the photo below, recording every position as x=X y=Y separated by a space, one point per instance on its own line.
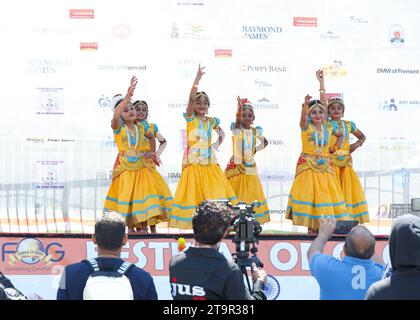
x=82 y=14
x=121 y=31
x=398 y=71
x=119 y=67
x=396 y=35
x=88 y=46
x=223 y=53
x=356 y=19
x=260 y=32
x=265 y=104
x=47 y=65
x=329 y=35
x=49 y=100
x=305 y=21
x=250 y=68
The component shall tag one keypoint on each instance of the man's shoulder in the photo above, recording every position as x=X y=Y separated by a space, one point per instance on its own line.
x=322 y=259
x=78 y=267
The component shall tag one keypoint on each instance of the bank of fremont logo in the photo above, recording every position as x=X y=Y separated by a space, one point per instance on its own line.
x=396 y=35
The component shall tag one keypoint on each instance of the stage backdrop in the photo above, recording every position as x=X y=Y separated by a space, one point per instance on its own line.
x=63 y=61
x=35 y=264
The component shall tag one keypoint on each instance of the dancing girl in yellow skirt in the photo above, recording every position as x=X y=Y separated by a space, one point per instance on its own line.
x=165 y=195
x=241 y=170
x=341 y=159
x=134 y=191
x=201 y=178
x=315 y=193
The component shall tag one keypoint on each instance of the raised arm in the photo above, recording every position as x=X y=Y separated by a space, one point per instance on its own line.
x=361 y=139
x=191 y=101
x=322 y=95
x=238 y=113
x=115 y=124
x=304 y=114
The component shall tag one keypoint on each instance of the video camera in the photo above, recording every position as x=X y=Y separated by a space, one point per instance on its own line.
x=8 y=291
x=246 y=228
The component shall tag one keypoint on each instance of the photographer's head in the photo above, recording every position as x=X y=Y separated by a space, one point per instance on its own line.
x=110 y=233
x=210 y=222
x=360 y=243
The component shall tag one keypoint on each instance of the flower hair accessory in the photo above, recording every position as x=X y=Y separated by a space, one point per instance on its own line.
x=246 y=104
x=181 y=244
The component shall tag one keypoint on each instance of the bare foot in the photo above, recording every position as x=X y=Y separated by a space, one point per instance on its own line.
x=131 y=230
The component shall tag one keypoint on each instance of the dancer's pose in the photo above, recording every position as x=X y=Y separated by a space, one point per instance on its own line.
x=161 y=188
x=133 y=192
x=202 y=178
x=315 y=193
x=241 y=170
x=341 y=157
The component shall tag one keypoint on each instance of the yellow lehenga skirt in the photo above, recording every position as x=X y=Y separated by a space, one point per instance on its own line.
x=198 y=183
x=140 y=195
x=248 y=189
x=315 y=194
x=352 y=190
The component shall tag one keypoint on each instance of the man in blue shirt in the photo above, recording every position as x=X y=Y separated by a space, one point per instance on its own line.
x=350 y=278
x=110 y=237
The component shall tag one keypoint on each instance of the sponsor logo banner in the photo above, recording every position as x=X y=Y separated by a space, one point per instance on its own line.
x=305 y=21
x=82 y=14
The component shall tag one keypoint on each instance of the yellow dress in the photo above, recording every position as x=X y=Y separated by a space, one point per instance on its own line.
x=201 y=178
x=346 y=177
x=136 y=191
x=315 y=193
x=161 y=185
x=242 y=172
